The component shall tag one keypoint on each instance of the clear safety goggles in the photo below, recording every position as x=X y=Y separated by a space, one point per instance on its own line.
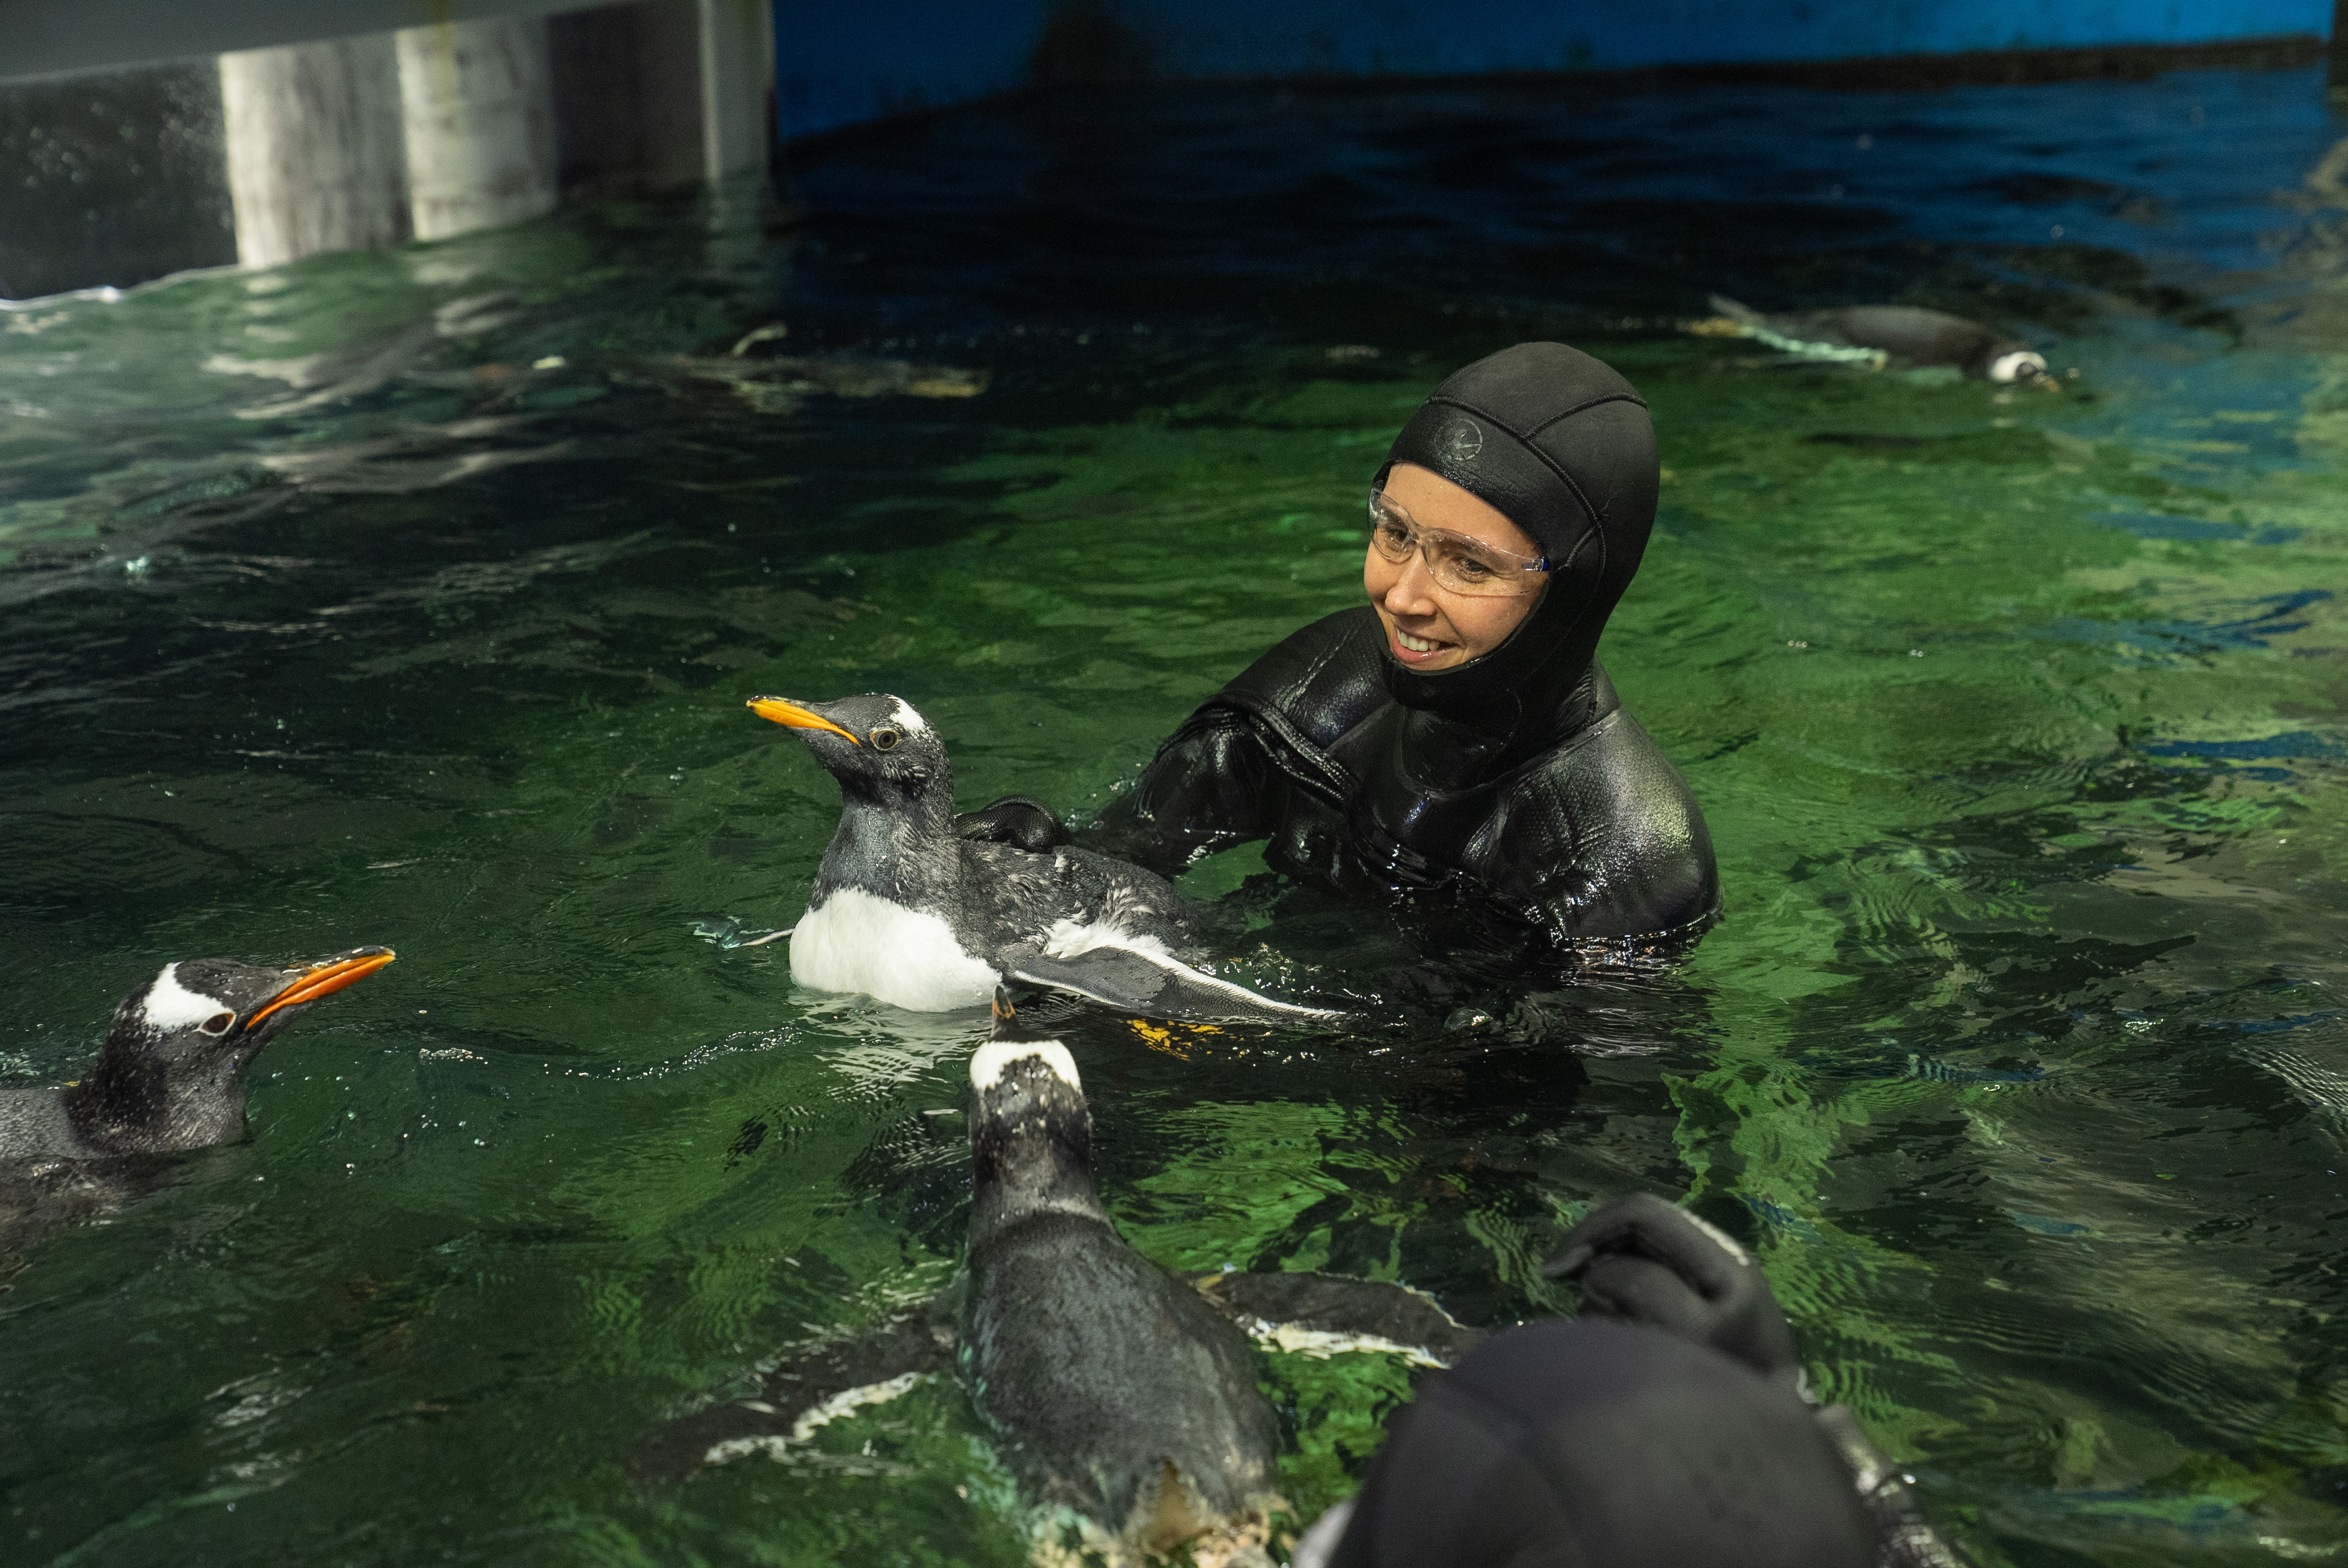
x=1456 y=563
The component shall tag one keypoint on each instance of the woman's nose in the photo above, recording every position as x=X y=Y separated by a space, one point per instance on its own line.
x=1408 y=595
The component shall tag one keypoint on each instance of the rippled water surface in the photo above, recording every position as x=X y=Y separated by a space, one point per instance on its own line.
x=412 y=598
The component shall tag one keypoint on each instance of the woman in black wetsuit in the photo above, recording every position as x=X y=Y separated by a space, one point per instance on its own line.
x=1456 y=735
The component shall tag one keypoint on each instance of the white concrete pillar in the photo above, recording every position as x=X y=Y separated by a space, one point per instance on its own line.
x=314 y=144
x=478 y=106
x=737 y=71
x=669 y=63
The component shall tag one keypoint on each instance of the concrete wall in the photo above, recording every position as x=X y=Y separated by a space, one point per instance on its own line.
x=265 y=155
x=839 y=65
x=112 y=179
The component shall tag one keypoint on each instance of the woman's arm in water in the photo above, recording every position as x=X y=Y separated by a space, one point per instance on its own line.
x=1209 y=786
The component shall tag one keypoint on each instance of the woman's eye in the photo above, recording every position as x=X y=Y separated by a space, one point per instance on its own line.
x=219 y=1023
x=882 y=740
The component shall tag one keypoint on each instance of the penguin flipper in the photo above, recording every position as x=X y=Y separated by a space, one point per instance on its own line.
x=802 y=1395
x=1153 y=985
x=1325 y=1314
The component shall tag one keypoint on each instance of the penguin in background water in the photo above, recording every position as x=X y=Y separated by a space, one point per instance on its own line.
x=1877 y=334
x=907 y=910
x=1123 y=1397
x=168 y=1079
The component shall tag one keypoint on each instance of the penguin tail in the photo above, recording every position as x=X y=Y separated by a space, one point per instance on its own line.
x=1154 y=985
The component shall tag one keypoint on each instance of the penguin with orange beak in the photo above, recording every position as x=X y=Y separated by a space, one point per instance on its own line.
x=170 y=1076
x=906 y=910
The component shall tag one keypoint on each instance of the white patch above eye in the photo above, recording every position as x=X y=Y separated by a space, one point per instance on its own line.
x=171 y=1005
x=991 y=1060
x=910 y=721
x=2009 y=367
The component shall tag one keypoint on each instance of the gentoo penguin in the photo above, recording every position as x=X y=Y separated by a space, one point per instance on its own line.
x=169 y=1078
x=907 y=910
x=1877 y=334
x=1115 y=1390
x=1120 y=1394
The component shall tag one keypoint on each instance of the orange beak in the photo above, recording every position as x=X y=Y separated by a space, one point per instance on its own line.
x=796 y=717
x=324 y=981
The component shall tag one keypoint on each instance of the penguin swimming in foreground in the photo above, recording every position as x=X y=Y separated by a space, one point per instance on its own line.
x=906 y=909
x=1875 y=335
x=168 y=1079
x=1121 y=1393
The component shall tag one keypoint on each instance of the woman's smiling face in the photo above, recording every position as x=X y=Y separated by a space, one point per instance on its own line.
x=1427 y=626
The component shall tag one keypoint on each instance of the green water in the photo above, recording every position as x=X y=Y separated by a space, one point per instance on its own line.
x=326 y=619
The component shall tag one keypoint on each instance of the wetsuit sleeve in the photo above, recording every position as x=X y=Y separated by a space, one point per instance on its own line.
x=1608 y=844
x=1220 y=780
x=1212 y=785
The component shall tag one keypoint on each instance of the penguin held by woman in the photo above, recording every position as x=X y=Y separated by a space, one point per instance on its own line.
x=908 y=910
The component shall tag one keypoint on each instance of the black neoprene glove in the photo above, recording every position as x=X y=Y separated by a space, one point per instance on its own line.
x=1643 y=1260
x=1015 y=820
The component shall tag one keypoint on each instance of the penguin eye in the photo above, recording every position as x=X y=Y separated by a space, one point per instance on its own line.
x=884 y=739
x=219 y=1023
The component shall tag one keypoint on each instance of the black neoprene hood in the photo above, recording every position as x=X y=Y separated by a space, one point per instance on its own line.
x=1562 y=445
x=1594 y=1444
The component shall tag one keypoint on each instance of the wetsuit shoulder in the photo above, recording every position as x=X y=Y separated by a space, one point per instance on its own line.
x=1323 y=678
x=1599 y=836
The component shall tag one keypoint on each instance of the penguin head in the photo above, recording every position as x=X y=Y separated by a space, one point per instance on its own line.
x=196 y=1025
x=199 y=1009
x=873 y=745
x=1030 y=1129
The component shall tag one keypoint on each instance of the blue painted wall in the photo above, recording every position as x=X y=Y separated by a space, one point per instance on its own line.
x=841 y=66
x=1228 y=37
